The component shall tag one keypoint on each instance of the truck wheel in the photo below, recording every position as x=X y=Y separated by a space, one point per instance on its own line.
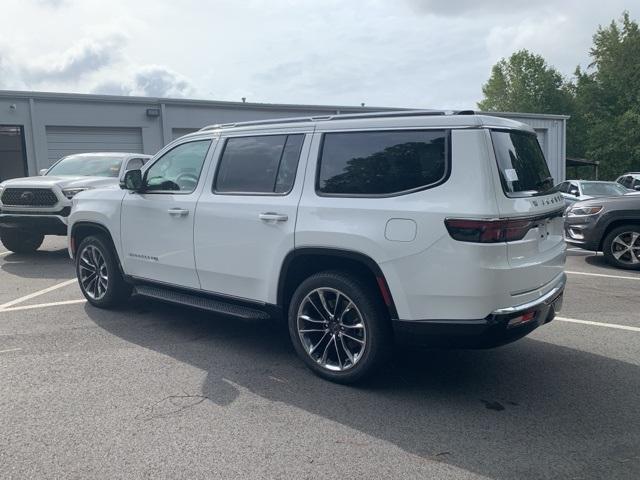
x=339 y=326
x=621 y=247
x=20 y=241
x=99 y=274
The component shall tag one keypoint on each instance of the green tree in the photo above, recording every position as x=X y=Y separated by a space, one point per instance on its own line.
x=525 y=83
x=607 y=98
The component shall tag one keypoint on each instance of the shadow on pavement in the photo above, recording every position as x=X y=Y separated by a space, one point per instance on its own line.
x=599 y=261
x=527 y=410
x=40 y=264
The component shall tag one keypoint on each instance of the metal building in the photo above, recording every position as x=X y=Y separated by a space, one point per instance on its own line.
x=36 y=129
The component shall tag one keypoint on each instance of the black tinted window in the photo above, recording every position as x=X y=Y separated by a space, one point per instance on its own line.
x=523 y=169
x=265 y=164
x=378 y=163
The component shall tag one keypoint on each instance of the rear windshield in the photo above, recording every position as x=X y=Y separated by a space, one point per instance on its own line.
x=523 y=169
x=87 y=166
x=603 y=189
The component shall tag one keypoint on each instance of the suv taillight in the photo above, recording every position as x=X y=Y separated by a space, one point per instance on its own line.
x=488 y=231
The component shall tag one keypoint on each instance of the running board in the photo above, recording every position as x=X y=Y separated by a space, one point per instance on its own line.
x=200 y=302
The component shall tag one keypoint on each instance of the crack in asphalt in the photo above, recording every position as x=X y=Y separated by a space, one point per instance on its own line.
x=170 y=405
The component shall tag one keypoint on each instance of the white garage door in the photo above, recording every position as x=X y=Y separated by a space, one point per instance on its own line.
x=62 y=141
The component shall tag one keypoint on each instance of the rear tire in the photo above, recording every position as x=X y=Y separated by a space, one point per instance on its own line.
x=99 y=275
x=21 y=241
x=621 y=247
x=339 y=326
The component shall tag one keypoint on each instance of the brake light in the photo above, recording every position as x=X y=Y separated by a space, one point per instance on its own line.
x=488 y=231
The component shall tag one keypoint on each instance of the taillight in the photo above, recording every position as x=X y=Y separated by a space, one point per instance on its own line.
x=488 y=231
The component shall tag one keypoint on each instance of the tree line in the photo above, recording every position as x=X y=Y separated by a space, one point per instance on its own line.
x=603 y=99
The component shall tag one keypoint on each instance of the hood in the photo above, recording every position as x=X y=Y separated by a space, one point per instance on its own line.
x=61 y=182
x=621 y=201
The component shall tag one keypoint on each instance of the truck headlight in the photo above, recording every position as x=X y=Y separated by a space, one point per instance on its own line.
x=584 y=211
x=71 y=192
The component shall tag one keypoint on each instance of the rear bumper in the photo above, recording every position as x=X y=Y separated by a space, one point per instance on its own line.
x=500 y=327
x=45 y=224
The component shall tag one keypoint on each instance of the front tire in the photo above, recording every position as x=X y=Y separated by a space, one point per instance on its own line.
x=339 y=326
x=621 y=247
x=99 y=274
x=20 y=241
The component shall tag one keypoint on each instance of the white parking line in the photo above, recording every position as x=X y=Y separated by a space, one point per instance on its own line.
x=10 y=350
x=4 y=253
x=623 y=277
x=599 y=324
x=41 y=305
x=37 y=294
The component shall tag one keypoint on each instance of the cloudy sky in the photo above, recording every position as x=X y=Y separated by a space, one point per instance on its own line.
x=404 y=53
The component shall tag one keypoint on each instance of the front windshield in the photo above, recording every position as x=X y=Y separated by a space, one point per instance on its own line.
x=87 y=166
x=594 y=189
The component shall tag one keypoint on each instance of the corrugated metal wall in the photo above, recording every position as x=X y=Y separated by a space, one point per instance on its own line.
x=58 y=124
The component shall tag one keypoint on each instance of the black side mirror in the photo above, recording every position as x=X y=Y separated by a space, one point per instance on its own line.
x=637 y=187
x=574 y=192
x=132 y=180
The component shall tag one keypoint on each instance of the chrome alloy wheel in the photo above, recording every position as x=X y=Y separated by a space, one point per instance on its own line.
x=93 y=272
x=625 y=248
x=331 y=329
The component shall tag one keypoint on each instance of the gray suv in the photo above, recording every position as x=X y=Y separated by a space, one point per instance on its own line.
x=607 y=225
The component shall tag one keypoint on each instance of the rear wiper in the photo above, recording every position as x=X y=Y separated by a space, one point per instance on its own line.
x=548 y=180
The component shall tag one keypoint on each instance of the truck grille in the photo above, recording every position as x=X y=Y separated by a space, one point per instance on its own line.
x=29 y=197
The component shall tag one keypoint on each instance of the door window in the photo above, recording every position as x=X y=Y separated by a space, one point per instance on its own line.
x=179 y=169
x=563 y=187
x=261 y=164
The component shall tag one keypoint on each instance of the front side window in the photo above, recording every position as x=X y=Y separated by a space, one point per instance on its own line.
x=262 y=164
x=523 y=170
x=87 y=166
x=179 y=169
x=382 y=162
x=563 y=187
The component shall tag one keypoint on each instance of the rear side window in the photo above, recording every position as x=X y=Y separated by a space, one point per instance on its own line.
x=261 y=164
x=523 y=170
x=382 y=163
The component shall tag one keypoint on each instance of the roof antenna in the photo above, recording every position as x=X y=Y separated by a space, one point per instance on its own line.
x=244 y=99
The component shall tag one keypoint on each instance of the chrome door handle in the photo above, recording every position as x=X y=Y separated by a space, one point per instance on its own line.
x=178 y=212
x=273 y=217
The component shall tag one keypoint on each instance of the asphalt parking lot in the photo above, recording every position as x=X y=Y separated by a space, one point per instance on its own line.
x=163 y=392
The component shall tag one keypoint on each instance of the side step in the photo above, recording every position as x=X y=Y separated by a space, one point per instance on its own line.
x=200 y=302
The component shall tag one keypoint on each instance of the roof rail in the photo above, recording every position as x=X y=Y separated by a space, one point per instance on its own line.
x=318 y=118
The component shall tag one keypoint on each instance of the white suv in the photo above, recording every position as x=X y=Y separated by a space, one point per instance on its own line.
x=359 y=229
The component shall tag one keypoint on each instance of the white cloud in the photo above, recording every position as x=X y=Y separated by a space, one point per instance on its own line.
x=420 y=53
x=85 y=57
x=149 y=80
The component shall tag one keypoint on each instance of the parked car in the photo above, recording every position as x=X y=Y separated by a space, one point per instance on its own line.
x=576 y=190
x=609 y=225
x=33 y=207
x=352 y=227
x=630 y=180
